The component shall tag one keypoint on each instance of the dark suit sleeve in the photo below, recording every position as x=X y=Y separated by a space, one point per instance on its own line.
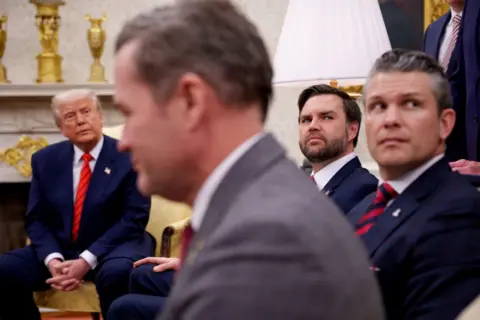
x=132 y=224
x=42 y=240
x=446 y=266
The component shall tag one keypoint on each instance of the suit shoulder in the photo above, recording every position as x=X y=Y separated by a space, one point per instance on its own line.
x=457 y=195
x=51 y=150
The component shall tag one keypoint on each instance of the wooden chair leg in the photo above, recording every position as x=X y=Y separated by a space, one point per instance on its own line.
x=95 y=316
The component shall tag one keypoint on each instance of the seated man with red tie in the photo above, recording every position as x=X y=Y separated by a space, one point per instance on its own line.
x=86 y=219
x=422 y=226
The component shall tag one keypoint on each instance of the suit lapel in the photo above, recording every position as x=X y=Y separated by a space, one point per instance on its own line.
x=439 y=32
x=101 y=177
x=65 y=191
x=341 y=175
x=405 y=205
x=251 y=165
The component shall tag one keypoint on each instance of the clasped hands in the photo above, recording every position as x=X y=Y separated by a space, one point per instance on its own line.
x=67 y=275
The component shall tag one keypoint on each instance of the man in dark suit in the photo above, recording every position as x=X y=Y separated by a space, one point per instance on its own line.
x=422 y=226
x=194 y=82
x=440 y=42
x=329 y=122
x=470 y=50
x=85 y=218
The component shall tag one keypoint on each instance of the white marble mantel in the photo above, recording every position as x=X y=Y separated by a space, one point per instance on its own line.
x=25 y=111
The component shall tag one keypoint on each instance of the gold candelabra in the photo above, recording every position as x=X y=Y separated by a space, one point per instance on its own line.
x=96 y=41
x=3 y=42
x=47 y=21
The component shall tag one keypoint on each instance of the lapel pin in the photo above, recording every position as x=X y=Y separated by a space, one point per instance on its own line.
x=107 y=170
x=396 y=213
x=327 y=193
x=374 y=269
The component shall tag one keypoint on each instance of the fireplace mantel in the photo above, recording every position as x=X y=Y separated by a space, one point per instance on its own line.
x=26 y=122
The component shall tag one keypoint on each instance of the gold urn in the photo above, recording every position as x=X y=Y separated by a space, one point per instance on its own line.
x=96 y=37
x=3 y=42
x=47 y=21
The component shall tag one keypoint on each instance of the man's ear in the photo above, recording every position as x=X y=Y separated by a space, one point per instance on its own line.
x=447 y=122
x=352 y=129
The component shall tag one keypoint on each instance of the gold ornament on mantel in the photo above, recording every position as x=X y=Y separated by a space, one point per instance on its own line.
x=47 y=21
x=3 y=42
x=96 y=41
x=20 y=155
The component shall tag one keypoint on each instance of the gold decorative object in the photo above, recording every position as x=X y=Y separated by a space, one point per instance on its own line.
x=47 y=21
x=433 y=9
x=96 y=41
x=3 y=41
x=20 y=155
x=353 y=91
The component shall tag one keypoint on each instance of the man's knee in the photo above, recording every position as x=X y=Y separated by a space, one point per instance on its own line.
x=122 y=308
x=113 y=273
x=144 y=280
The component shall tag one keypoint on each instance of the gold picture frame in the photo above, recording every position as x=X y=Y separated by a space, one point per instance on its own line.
x=433 y=9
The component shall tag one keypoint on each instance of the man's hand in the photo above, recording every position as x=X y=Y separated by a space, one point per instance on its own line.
x=72 y=273
x=466 y=167
x=54 y=267
x=162 y=263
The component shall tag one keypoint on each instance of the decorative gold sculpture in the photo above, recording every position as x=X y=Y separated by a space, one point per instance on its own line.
x=47 y=21
x=20 y=155
x=3 y=41
x=96 y=41
x=434 y=9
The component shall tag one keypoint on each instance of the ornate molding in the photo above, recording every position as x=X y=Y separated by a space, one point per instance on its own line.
x=20 y=155
x=433 y=9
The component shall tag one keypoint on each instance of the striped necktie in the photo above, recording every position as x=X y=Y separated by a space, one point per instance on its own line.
x=384 y=194
x=453 y=41
x=187 y=237
x=85 y=176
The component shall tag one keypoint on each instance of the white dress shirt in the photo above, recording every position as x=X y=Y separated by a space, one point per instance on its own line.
x=447 y=36
x=323 y=176
x=204 y=196
x=77 y=169
x=401 y=184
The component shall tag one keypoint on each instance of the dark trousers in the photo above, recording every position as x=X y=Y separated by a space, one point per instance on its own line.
x=21 y=273
x=148 y=293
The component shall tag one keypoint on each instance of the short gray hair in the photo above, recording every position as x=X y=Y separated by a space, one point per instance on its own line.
x=210 y=38
x=70 y=96
x=400 y=60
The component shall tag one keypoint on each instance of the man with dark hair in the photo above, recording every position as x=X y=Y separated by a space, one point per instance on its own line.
x=194 y=81
x=422 y=226
x=329 y=123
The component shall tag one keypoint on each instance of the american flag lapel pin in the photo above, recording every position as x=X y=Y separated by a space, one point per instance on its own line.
x=107 y=170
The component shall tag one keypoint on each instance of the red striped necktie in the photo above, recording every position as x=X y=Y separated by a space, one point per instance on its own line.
x=85 y=176
x=384 y=194
x=453 y=41
x=187 y=237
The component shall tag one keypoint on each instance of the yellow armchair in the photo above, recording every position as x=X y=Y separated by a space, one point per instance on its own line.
x=167 y=220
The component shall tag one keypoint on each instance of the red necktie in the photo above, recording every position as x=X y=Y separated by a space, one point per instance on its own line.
x=384 y=194
x=453 y=41
x=85 y=176
x=187 y=236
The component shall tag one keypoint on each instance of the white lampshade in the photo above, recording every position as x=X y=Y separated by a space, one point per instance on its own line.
x=325 y=40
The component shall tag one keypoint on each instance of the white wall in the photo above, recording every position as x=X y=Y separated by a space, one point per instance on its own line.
x=23 y=45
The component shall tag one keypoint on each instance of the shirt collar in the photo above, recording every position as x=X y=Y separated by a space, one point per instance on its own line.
x=454 y=13
x=401 y=184
x=326 y=173
x=95 y=152
x=205 y=194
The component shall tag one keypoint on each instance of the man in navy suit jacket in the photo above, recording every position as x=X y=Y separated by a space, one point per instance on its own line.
x=85 y=218
x=422 y=226
x=440 y=42
x=329 y=123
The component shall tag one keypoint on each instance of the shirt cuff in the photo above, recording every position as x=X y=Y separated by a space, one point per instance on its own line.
x=51 y=256
x=90 y=258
